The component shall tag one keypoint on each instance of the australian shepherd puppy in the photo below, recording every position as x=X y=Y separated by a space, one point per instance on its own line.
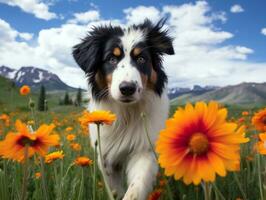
x=126 y=76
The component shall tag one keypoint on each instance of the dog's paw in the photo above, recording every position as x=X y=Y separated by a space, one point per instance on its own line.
x=132 y=193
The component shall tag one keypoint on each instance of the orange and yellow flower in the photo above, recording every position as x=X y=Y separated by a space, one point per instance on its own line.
x=197 y=143
x=24 y=90
x=75 y=146
x=259 y=120
x=54 y=156
x=5 y=118
x=97 y=117
x=68 y=129
x=71 y=137
x=245 y=113
x=14 y=144
x=38 y=175
x=261 y=145
x=83 y=161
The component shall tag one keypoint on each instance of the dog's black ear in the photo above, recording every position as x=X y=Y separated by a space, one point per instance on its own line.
x=158 y=38
x=86 y=53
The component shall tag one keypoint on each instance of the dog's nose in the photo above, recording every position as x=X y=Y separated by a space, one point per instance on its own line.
x=127 y=88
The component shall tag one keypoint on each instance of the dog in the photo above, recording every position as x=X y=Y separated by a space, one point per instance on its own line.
x=126 y=76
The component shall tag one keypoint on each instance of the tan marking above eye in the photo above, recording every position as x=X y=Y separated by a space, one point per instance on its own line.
x=117 y=51
x=136 y=51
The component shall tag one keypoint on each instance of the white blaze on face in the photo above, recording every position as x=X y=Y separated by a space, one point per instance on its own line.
x=125 y=71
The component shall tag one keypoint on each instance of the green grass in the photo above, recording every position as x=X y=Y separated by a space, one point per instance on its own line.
x=78 y=182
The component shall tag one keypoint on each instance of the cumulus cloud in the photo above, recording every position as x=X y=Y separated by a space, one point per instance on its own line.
x=36 y=7
x=236 y=9
x=85 y=17
x=263 y=31
x=136 y=15
x=202 y=56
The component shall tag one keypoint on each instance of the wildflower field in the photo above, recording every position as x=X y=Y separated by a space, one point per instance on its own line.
x=47 y=155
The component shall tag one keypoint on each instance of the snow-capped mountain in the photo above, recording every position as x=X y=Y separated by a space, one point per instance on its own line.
x=196 y=90
x=34 y=77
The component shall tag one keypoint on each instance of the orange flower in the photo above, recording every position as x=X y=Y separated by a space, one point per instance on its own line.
x=38 y=175
x=71 y=137
x=245 y=113
x=261 y=145
x=259 y=120
x=68 y=129
x=54 y=156
x=97 y=117
x=5 y=118
x=155 y=195
x=83 y=161
x=75 y=146
x=14 y=144
x=198 y=143
x=24 y=90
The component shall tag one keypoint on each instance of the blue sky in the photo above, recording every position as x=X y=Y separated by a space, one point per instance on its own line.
x=217 y=42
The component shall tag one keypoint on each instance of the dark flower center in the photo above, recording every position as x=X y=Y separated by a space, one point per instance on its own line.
x=198 y=143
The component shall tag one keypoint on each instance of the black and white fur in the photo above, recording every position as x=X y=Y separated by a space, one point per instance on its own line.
x=126 y=76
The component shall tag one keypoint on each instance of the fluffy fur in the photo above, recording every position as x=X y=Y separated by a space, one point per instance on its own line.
x=125 y=74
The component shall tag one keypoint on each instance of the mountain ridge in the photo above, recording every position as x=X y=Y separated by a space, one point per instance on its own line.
x=35 y=78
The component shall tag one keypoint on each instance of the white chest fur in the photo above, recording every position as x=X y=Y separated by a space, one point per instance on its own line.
x=127 y=135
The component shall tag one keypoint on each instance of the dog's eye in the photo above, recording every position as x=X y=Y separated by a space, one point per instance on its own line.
x=113 y=60
x=141 y=60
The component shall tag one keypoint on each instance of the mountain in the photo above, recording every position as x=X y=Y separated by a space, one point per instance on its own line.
x=242 y=94
x=196 y=90
x=34 y=77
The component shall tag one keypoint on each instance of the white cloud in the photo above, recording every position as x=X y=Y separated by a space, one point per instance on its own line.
x=201 y=56
x=138 y=14
x=36 y=7
x=26 y=36
x=236 y=9
x=85 y=17
x=8 y=34
x=263 y=31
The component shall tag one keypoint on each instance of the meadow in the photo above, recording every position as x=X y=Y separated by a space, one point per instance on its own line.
x=63 y=178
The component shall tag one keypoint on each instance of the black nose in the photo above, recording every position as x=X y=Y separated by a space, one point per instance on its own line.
x=127 y=88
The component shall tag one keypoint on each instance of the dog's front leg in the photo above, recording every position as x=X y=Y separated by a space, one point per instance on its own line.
x=141 y=172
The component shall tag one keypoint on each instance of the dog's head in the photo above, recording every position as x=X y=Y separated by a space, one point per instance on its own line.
x=123 y=63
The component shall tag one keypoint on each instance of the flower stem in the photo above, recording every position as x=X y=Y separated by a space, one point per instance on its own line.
x=43 y=180
x=239 y=186
x=109 y=192
x=218 y=192
x=259 y=176
x=81 y=184
x=207 y=191
x=168 y=189
x=94 y=171
x=25 y=174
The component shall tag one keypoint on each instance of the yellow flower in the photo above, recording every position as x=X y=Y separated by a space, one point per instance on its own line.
x=31 y=122
x=259 y=120
x=197 y=143
x=97 y=117
x=54 y=156
x=75 y=146
x=38 y=175
x=24 y=90
x=71 y=137
x=83 y=161
x=14 y=144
